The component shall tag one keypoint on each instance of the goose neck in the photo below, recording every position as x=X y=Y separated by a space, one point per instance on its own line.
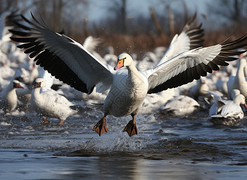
x=133 y=72
x=36 y=91
x=240 y=70
x=12 y=92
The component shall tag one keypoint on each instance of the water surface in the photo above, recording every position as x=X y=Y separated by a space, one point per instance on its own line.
x=165 y=147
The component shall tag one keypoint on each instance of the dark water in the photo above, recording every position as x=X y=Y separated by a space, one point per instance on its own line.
x=46 y=165
x=165 y=148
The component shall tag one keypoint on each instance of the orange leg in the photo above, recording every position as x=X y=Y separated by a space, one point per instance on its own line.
x=101 y=127
x=60 y=122
x=45 y=120
x=131 y=127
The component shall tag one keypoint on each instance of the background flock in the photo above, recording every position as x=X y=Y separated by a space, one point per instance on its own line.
x=26 y=87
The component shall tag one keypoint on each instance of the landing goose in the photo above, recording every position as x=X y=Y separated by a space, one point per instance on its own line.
x=71 y=63
x=49 y=103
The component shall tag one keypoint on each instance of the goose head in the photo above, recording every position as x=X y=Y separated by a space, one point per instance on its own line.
x=240 y=99
x=17 y=84
x=124 y=60
x=234 y=93
x=39 y=83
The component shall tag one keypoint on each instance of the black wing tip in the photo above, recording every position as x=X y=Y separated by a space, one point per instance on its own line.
x=228 y=51
x=191 y=19
x=194 y=32
x=235 y=47
x=22 y=33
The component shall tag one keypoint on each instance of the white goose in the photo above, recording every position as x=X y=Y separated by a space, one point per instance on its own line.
x=239 y=81
x=49 y=103
x=227 y=112
x=70 y=62
x=181 y=106
x=9 y=96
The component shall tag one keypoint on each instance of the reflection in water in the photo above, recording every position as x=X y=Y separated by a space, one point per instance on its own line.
x=43 y=165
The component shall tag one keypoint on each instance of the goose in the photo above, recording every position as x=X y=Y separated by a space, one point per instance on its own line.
x=149 y=59
x=155 y=101
x=49 y=103
x=6 y=18
x=10 y=100
x=221 y=83
x=160 y=51
x=71 y=63
x=199 y=89
x=109 y=57
x=227 y=112
x=5 y=76
x=239 y=81
x=48 y=78
x=181 y=106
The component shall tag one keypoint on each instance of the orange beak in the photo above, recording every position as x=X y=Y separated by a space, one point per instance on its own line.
x=18 y=85
x=120 y=64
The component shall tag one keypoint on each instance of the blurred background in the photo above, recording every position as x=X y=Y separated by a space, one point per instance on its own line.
x=136 y=26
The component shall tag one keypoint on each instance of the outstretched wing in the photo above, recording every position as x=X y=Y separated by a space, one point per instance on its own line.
x=193 y=64
x=190 y=38
x=60 y=55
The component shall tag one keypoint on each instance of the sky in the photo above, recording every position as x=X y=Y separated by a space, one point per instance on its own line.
x=98 y=9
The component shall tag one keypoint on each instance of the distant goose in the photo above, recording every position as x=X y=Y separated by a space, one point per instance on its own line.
x=181 y=106
x=71 y=63
x=199 y=89
x=49 y=103
x=48 y=78
x=110 y=58
x=9 y=96
x=239 y=81
x=227 y=112
x=6 y=18
x=149 y=59
x=6 y=73
x=221 y=83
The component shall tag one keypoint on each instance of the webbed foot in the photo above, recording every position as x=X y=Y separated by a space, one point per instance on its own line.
x=131 y=128
x=100 y=127
x=45 y=121
x=61 y=122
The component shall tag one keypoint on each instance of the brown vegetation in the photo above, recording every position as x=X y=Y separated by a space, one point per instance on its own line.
x=133 y=34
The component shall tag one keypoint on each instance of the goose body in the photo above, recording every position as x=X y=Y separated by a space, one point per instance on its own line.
x=10 y=99
x=71 y=63
x=199 y=89
x=181 y=105
x=49 y=103
x=130 y=88
x=239 y=81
